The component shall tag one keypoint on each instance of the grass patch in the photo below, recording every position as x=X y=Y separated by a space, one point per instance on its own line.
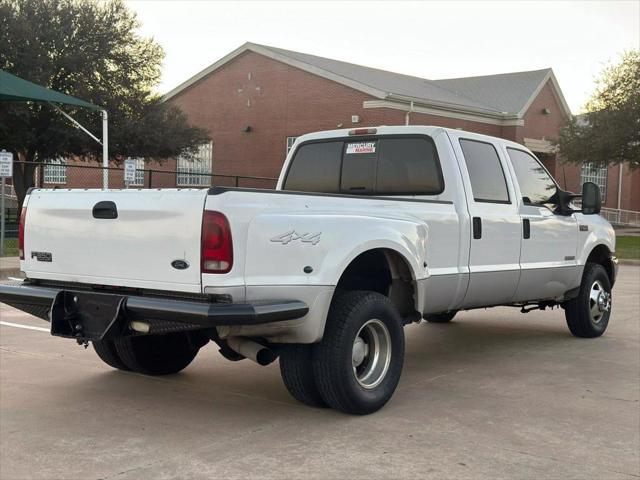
x=628 y=247
x=10 y=247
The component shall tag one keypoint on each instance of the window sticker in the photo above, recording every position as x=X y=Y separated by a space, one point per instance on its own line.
x=361 y=147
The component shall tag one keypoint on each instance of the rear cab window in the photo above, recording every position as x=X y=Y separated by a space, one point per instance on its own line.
x=385 y=165
x=316 y=168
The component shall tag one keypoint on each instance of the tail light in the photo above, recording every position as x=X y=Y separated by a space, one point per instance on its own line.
x=23 y=218
x=217 y=249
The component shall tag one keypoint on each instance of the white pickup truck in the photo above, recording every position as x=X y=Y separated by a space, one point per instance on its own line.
x=368 y=230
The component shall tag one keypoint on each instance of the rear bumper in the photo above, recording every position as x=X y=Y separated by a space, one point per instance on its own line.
x=90 y=315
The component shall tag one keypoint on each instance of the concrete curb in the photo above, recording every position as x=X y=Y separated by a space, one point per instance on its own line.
x=628 y=261
x=9 y=263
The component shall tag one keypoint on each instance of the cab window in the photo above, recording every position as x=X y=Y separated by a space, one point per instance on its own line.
x=485 y=172
x=402 y=165
x=316 y=168
x=409 y=165
x=536 y=185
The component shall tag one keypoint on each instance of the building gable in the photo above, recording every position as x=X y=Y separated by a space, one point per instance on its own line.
x=497 y=99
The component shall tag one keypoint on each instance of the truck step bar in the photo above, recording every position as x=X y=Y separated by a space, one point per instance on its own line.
x=89 y=315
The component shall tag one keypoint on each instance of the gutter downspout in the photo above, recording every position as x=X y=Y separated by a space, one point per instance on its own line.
x=406 y=116
x=105 y=150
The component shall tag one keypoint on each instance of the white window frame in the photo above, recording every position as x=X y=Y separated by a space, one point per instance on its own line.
x=597 y=175
x=290 y=142
x=196 y=171
x=139 y=178
x=55 y=172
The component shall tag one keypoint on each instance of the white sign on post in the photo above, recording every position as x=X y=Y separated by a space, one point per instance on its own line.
x=6 y=164
x=129 y=171
x=6 y=171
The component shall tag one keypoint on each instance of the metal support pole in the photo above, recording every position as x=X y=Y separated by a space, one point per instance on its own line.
x=2 y=220
x=105 y=140
x=620 y=186
x=105 y=150
x=74 y=121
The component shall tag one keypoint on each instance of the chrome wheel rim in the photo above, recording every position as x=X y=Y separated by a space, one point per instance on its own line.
x=599 y=301
x=371 y=353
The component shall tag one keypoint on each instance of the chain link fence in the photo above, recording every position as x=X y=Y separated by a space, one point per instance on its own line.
x=60 y=175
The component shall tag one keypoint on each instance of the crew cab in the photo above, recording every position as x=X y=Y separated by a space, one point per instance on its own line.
x=367 y=231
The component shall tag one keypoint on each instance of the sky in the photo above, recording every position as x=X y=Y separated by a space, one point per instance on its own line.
x=426 y=39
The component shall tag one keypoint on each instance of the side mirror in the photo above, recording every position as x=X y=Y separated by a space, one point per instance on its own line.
x=563 y=201
x=591 y=201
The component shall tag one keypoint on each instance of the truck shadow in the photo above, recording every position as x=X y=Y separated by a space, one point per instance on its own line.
x=213 y=385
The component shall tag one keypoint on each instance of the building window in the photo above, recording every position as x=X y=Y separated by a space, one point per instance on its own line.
x=290 y=142
x=139 y=179
x=55 y=171
x=195 y=171
x=597 y=175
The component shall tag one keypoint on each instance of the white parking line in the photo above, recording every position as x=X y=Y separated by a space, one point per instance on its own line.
x=27 y=327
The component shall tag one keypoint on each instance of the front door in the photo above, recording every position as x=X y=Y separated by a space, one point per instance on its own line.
x=494 y=253
x=548 y=265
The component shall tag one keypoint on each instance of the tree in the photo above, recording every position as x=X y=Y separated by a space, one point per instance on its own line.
x=609 y=133
x=91 y=50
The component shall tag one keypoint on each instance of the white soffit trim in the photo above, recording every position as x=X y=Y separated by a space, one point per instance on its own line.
x=406 y=107
x=280 y=58
x=539 y=145
x=557 y=92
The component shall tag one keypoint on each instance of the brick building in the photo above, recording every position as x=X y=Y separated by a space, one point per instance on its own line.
x=256 y=100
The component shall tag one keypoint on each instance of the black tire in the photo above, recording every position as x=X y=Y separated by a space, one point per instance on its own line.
x=157 y=354
x=106 y=350
x=441 y=317
x=333 y=356
x=296 y=368
x=578 y=312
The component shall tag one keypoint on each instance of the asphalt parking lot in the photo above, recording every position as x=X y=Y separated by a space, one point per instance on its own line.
x=495 y=394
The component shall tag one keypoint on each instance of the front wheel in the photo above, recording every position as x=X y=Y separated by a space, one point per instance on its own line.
x=588 y=314
x=358 y=363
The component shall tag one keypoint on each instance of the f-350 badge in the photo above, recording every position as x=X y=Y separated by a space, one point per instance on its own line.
x=292 y=235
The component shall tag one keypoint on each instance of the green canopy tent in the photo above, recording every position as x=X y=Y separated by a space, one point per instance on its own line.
x=15 y=89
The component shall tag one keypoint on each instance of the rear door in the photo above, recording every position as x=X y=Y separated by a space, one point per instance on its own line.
x=550 y=240
x=494 y=252
x=133 y=238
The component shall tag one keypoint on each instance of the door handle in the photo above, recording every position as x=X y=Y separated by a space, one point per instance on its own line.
x=106 y=210
x=477 y=228
x=526 y=228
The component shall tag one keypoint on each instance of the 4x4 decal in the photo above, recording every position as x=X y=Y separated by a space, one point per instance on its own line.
x=288 y=237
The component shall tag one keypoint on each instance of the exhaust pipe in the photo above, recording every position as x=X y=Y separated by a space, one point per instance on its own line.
x=252 y=350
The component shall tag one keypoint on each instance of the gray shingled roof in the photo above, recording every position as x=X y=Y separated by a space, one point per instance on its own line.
x=505 y=95
x=508 y=92
x=502 y=93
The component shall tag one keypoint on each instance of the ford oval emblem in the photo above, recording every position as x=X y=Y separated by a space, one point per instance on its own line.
x=180 y=264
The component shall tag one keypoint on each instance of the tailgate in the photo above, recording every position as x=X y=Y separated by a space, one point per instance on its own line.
x=154 y=242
